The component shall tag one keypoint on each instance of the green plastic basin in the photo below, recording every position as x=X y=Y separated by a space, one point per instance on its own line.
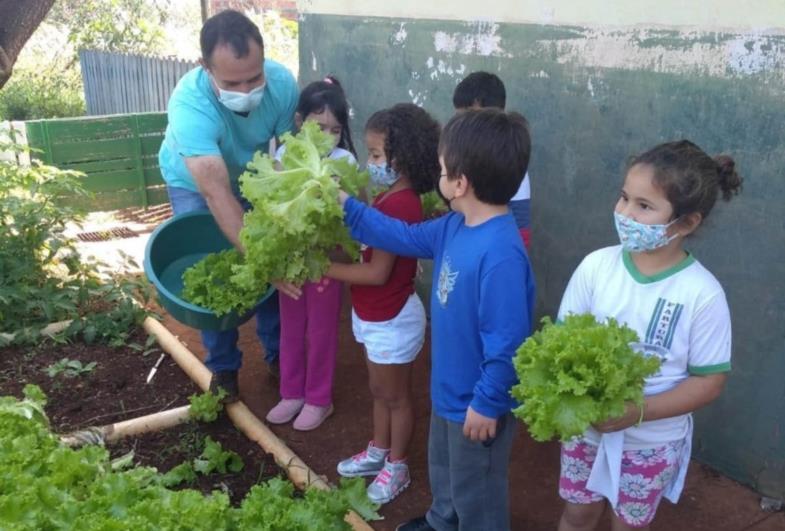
x=176 y=245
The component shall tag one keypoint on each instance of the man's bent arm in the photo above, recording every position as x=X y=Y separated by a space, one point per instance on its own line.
x=212 y=178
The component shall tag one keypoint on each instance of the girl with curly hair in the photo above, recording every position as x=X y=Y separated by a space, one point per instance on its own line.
x=388 y=317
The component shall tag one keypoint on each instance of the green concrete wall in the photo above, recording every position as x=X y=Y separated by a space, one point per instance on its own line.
x=593 y=98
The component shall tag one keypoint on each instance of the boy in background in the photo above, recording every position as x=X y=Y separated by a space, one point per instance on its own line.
x=480 y=90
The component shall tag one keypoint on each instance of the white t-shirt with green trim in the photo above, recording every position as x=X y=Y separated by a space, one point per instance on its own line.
x=681 y=316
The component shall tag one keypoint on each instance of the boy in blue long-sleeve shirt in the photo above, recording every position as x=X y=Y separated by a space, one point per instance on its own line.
x=481 y=305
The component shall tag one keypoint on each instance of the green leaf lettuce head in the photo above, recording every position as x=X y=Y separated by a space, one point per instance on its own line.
x=576 y=373
x=45 y=484
x=294 y=224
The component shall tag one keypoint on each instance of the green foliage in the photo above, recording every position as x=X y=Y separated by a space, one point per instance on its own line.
x=208 y=284
x=45 y=485
x=44 y=277
x=206 y=406
x=295 y=223
x=182 y=473
x=69 y=368
x=576 y=373
x=124 y=26
x=215 y=459
x=432 y=205
x=45 y=91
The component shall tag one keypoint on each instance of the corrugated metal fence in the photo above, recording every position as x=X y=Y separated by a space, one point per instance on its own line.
x=121 y=84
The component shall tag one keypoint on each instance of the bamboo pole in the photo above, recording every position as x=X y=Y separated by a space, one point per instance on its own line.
x=148 y=423
x=127 y=428
x=299 y=473
x=49 y=330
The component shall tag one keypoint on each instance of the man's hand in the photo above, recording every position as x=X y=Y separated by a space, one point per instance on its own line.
x=478 y=427
x=287 y=288
x=630 y=418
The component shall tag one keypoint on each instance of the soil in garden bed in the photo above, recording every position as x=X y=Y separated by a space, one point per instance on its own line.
x=115 y=390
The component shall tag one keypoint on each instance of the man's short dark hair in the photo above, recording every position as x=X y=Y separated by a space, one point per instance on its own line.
x=229 y=27
x=491 y=148
x=482 y=88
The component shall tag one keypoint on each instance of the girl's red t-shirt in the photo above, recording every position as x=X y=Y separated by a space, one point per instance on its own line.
x=382 y=303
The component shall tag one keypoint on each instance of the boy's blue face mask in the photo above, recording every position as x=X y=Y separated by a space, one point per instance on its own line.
x=382 y=174
x=638 y=237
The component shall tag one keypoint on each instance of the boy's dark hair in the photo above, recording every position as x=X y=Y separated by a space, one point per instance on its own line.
x=228 y=27
x=491 y=148
x=328 y=94
x=482 y=88
x=411 y=138
x=690 y=178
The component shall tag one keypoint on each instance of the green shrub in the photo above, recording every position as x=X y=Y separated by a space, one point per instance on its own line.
x=45 y=279
x=42 y=92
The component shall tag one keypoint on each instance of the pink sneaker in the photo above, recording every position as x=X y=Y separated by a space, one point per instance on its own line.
x=311 y=417
x=285 y=410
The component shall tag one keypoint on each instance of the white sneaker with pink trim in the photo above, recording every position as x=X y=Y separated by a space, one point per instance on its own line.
x=390 y=482
x=369 y=462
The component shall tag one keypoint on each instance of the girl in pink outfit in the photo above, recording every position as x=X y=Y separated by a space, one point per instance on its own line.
x=309 y=324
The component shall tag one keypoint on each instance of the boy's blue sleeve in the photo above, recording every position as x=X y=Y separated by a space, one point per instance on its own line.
x=373 y=228
x=506 y=300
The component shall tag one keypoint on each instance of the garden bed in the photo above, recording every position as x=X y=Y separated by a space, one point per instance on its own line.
x=114 y=389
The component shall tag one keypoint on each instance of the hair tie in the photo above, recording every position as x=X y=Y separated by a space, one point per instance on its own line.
x=328 y=81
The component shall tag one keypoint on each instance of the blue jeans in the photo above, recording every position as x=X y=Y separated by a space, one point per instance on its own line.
x=222 y=351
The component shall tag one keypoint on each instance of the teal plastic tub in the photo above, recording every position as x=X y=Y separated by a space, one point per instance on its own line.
x=176 y=245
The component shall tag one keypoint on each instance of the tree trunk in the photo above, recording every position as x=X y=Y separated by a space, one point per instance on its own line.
x=19 y=20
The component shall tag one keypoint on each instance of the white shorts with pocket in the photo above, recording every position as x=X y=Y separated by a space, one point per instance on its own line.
x=396 y=341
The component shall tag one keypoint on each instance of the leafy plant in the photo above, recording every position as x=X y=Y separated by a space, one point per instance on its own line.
x=182 y=473
x=206 y=406
x=45 y=279
x=124 y=26
x=208 y=283
x=432 y=205
x=215 y=459
x=576 y=373
x=70 y=368
x=295 y=222
x=47 y=485
x=48 y=91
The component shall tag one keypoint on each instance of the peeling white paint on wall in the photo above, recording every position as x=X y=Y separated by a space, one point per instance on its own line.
x=752 y=55
x=442 y=68
x=313 y=61
x=483 y=41
x=400 y=35
x=418 y=98
x=691 y=52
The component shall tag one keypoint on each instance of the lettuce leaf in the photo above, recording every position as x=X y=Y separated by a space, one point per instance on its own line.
x=294 y=224
x=576 y=373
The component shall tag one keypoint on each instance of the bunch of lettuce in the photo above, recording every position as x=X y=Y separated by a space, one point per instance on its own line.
x=576 y=373
x=47 y=485
x=208 y=283
x=294 y=224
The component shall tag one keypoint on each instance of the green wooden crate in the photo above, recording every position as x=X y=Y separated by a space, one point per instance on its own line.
x=118 y=155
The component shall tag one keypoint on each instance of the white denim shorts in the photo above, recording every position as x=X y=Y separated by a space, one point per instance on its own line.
x=396 y=341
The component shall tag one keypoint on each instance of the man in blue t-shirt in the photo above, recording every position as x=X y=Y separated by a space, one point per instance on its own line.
x=220 y=114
